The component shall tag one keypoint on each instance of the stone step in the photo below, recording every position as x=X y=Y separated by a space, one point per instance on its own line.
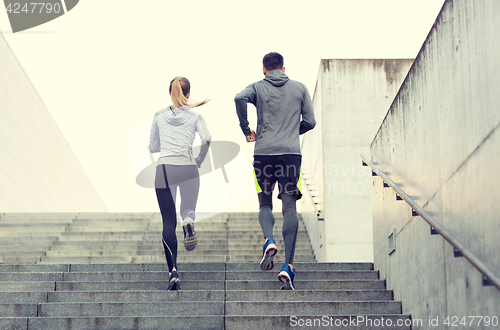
x=231 y=285
x=208 y=322
x=18 y=310
x=124 y=246
x=146 y=267
x=139 y=237
x=30 y=234
x=19 y=260
x=186 y=285
x=108 y=271
x=27 y=240
x=42 y=226
x=111 y=215
x=34 y=268
x=104 y=228
x=128 y=259
x=85 y=253
x=37 y=215
x=199 y=251
x=278 y=259
x=189 y=257
x=257 y=252
x=309 y=295
x=298 y=308
x=315 y=321
x=222 y=241
x=310 y=274
x=27 y=286
x=153 y=246
x=188 y=275
x=303 y=284
x=19 y=297
x=180 y=308
x=304 y=266
x=23 y=297
x=134 y=296
x=204 y=322
x=140 y=276
x=24 y=247
x=142 y=267
x=260 y=237
x=13 y=252
x=157 y=308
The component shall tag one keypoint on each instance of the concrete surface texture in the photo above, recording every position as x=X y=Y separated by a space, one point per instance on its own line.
x=108 y=271
x=350 y=101
x=135 y=237
x=38 y=170
x=439 y=142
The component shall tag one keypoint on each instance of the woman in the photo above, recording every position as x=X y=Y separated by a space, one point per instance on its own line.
x=172 y=134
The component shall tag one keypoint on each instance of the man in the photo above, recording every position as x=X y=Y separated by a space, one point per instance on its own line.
x=284 y=111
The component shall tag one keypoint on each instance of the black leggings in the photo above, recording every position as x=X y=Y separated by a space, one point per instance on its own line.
x=168 y=178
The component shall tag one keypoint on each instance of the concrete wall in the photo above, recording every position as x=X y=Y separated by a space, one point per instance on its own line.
x=350 y=101
x=312 y=174
x=440 y=142
x=38 y=170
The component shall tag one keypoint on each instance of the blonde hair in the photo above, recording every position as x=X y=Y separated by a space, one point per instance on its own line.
x=179 y=89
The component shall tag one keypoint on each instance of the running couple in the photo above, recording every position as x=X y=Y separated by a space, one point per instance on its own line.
x=284 y=111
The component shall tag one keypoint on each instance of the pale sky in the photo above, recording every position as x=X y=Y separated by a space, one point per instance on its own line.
x=103 y=68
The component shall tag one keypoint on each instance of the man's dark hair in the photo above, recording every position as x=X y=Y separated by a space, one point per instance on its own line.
x=273 y=61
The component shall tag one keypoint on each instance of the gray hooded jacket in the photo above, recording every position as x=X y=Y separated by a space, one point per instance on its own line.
x=284 y=111
x=172 y=134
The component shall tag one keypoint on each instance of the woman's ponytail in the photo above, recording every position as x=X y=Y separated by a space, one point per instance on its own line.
x=179 y=89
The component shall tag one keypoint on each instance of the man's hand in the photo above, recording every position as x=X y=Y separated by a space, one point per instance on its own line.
x=251 y=137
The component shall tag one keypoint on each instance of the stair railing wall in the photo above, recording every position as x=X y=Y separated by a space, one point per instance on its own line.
x=439 y=144
x=418 y=211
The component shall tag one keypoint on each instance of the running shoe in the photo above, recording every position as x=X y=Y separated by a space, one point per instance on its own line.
x=286 y=277
x=268 y=252
x=173 y=281
x=190 y=239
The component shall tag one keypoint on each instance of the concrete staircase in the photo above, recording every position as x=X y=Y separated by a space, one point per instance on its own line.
x=108 y=271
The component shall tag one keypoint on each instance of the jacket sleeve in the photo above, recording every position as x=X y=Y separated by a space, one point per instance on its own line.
x=154 y=137
x=308 y=121
x=205 y=137
x=241 y=100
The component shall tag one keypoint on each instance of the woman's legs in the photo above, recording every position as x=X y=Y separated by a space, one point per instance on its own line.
x=189 y=194
x=186 y=177
x=169 y=218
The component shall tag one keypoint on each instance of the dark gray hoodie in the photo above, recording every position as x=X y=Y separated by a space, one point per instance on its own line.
x=284 y=111
x=172 y=134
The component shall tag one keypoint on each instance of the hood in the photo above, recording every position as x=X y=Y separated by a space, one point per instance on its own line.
x=277 y=78
x=178 y=116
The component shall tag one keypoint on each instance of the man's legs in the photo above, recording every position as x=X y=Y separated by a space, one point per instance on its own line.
x=289 y=184
x=265 y=181
x=266 y=218
x=290 y=225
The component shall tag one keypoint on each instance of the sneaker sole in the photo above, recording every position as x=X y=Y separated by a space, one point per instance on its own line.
x=190 y=240
x=174 y=284
x=285 y=279
x=267 y=262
